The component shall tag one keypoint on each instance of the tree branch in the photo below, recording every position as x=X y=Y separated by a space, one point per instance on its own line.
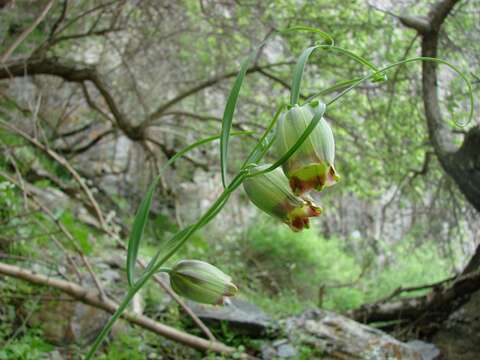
x=27 y=31
x=162 y=108
x=92 y=298
x=434 y=306
x=74 y=73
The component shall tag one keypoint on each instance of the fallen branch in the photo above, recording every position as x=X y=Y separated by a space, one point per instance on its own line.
x=435 y=306
x=92 y=298
x=120 y=243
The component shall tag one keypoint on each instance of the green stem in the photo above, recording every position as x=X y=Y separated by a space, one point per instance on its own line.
x=121 y=308
x=338 y=86
x=265 y=142
x=175 y=245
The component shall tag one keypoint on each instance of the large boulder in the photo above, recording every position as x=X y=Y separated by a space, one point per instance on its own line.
x=240 y=316
x=65 y=321
x=321 y=334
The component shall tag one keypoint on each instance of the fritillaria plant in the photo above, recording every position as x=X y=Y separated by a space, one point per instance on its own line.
x=305 y=151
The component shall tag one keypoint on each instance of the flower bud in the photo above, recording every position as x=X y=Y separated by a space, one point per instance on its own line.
x=271 y=193
x=201 y=282
x=311 y=166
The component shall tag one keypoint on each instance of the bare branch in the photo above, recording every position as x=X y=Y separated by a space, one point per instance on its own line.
x=62 y=161
x=75 y=73
x=162 y=108
x=25 y=33
x=421 y=24
x=92 y=298
x=59 y=20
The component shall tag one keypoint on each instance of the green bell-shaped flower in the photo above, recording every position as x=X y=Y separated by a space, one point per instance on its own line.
x=311 y=166
x=271 y=193
x=201 y=282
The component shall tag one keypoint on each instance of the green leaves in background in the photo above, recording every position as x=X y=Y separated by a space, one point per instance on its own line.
x=79 y=231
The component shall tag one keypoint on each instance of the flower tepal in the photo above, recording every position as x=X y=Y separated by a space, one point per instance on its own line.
x=312 y=165
x=271 y=193
x=201 y=282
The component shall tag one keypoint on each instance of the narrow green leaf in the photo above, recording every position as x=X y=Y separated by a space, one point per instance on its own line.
x=168 y=249
x=164 y=248
x=379 y=77
x=143 y=210
x=335 y=87
x=137 y=231
x=265 y=141
x=322 y=34
x=228 y=116
x=298 y=74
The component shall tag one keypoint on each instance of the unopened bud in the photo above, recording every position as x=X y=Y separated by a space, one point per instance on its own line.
x=201 y=282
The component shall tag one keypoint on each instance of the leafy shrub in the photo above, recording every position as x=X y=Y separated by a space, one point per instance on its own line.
x=299 y=264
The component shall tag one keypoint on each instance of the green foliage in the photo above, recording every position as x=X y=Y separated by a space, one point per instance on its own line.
x=285 y=273
x=31 y=346
x=125 y=347
x=380 y=133
x=409 y=265
x=299 y=264
x=17 y=341
x=79 y=231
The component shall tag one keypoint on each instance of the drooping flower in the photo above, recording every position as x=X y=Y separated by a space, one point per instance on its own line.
x=271 y=193
x=311 y=166
x=201 y=282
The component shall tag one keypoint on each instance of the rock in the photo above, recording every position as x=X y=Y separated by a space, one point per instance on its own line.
x=428 y=351
x=459 y=336
x=279 y=349
x=241 y=316
x=330 y=335
x=66 y=321
x=286 y=351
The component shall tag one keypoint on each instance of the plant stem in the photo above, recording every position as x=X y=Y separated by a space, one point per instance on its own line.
x=176 y=244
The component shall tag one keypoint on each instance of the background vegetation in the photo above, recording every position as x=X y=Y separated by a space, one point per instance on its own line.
x=112 y=89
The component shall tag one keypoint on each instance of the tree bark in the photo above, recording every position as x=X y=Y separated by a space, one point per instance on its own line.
x=462 y=164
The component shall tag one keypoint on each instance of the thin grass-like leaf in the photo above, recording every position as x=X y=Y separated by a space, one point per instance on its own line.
x=137 y=231
x=228 y=116
x=298 y=74
x=379 y=77
x=144 y=209
x=265 y=141
x=322 y=34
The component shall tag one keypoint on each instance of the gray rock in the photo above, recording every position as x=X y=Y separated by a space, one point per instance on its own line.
x=66 y=321
x=268 y=352
x=241 y=316
x=427 y=350
x=330 y=335
x=286 y=351
x=278 y=349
